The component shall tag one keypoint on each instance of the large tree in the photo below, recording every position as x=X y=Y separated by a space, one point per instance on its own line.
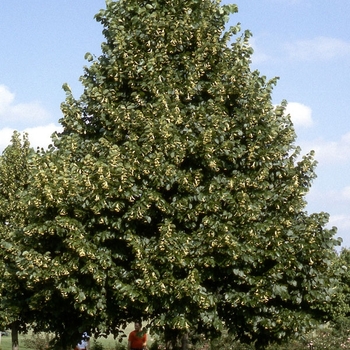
x=175 y=191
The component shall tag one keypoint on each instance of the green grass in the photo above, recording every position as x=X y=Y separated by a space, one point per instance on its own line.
x=108 y=343
x=6 y=343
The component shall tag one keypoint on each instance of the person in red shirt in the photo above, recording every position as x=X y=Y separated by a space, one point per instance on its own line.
x=138 y=338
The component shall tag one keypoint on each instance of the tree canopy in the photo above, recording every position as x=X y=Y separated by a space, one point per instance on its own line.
x=176 y=192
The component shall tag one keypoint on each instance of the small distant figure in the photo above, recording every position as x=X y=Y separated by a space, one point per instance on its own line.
x=138 y=338
x=84 y=344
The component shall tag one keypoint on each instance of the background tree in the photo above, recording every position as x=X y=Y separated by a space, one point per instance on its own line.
x=339 y=307
x=14 y=305
x=175 y=192
x=25 y=305
x=335 y=333
x=342 y=264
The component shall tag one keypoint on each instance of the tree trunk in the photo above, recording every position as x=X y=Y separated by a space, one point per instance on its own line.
x=184 y=342
x=14 y=335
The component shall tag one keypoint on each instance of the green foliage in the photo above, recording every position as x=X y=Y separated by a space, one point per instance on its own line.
x=175 y=192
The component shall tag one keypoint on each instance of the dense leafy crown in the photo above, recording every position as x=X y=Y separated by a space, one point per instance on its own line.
x=174 y=192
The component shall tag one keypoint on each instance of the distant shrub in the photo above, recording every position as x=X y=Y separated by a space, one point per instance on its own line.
x=120 y=346
x=96 y=345
x=38 y=341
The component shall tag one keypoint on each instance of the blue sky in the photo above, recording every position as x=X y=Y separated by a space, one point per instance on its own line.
x=304 y=42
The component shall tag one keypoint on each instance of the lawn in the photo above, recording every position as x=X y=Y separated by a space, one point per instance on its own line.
x=6 y=343
x=108 y=343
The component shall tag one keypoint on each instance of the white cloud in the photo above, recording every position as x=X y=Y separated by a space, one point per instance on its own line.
x=319 y=48
x=340 y=196
x=345 y=193
x=342 y=223
x=330 y=152
x=26 y=113
x=337 y=204
x=301 y=114
x=39 y=136
x=289 y=2
x=258 y=55
x=6 y=99
x=5 y=137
